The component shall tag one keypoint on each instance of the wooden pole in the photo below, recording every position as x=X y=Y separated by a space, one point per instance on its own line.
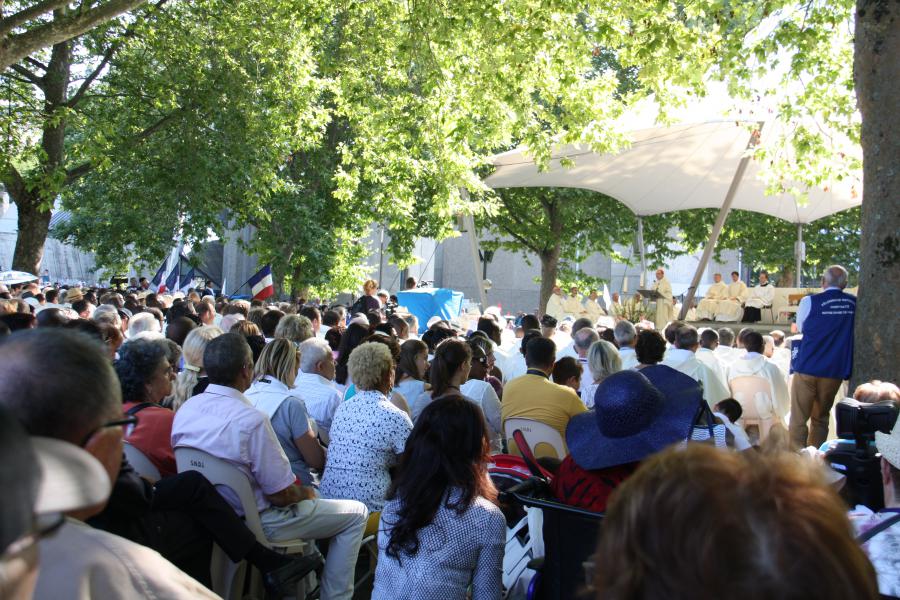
x=720 y=222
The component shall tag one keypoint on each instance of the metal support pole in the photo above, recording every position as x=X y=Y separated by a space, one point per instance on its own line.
x=720 y=222
x=469 y=223
x=799 y=252
x=640 y=236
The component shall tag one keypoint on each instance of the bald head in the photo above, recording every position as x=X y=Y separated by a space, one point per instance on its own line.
x=59 y=383
x=835 y=276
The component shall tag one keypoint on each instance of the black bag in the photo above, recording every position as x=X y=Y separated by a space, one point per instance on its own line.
x=706 y=429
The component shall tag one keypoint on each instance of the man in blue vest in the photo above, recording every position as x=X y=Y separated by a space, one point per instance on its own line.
x=824 y=357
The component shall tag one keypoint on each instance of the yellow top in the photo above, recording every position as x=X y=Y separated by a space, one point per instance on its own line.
x=538 y=398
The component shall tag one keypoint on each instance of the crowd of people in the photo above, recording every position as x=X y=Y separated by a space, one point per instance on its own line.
x=350 y=423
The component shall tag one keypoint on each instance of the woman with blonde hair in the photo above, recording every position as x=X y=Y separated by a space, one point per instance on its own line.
x=368 y=432
x=603 y=361
x=271 y=394
x=192 y=379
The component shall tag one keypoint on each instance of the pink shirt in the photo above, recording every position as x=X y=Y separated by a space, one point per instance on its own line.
x=222 y=422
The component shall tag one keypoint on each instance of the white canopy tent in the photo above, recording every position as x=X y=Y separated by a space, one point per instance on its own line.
x=685 y=166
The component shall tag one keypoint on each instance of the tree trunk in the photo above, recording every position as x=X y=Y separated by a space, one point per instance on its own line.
x=877 y=78
x=34 y=205
x=787 y=277
x=549 y=267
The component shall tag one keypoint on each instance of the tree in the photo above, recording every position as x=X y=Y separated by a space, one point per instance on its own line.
x=392 y=144
x=30 y=27
x=877 y=72
x=557 y=225
x=44 y=101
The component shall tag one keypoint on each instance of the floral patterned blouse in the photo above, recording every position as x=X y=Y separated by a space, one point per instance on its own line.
x=368 y=433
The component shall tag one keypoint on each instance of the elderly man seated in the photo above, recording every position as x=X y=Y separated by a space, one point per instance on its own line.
x=709 y=306
x=315 y=384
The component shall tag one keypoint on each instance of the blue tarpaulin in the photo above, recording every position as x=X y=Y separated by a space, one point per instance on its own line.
x=425 y=303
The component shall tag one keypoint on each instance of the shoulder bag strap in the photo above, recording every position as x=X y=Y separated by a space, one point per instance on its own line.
x=886 y=524
x=138 y=408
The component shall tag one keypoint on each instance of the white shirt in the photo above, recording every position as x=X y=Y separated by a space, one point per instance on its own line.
x=714 y=389
x=267 y=395
x=222 y=422
x=709 y=358
x=761 y=296
x=321 y=398
x=629 y=357
x=754 y=364
x=483 y=394
x=741 y=441
x=79 y=562
x=727 y=354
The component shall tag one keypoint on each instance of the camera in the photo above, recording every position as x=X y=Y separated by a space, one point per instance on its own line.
x=858 y=461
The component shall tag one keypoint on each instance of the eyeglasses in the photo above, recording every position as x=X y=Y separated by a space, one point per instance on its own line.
x=44 y=526
x=128 y=423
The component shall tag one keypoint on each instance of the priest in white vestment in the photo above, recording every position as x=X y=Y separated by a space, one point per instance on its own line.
x=664 y=305
x=592 y=308
x=682 y=358
x=572 y=305
x=709 y=306
x=709 y=341
x=755 y=364
x=556 y=304
x=731 y=308
x=615 y=307
x=760 y=297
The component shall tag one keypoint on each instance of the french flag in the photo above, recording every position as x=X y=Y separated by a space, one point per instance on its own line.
x=261 y=286
x=157 y=284
x=172 y=280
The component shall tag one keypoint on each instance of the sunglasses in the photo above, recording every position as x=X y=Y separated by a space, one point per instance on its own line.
x=128 y=424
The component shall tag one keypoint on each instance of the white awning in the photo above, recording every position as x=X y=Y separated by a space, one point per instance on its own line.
x=667 y=169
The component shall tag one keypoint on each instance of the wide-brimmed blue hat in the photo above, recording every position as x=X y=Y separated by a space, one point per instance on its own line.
x=631 y=420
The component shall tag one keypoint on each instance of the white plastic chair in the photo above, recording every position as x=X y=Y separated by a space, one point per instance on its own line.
x=535 y=433
x=756 y=397
x=144 y=467
x=227 y=576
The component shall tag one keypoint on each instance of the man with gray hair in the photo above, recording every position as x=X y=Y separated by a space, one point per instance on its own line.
x=823 y=358
x=626 y=339
x=582 y=341
x=315 y=383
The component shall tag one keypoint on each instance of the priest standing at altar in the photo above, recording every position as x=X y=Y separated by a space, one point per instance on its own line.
x=664 y=304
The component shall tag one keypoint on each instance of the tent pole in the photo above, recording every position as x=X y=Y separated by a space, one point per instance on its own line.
x=469 y=222
x=799 y=254
x=640 y=235
x=720 y=222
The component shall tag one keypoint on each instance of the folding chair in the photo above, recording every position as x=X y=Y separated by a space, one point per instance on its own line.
x=536 y=433
x=756 y=397
x=569 y=538
x=144 y=467
x=228 y=577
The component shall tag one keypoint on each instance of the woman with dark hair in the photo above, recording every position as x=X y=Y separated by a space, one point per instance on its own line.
x=146 y=377
x=412 y=364
x=650 y=348
x=478 y=390
x=449 y=371
x=440 y=530
x=352 y=337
